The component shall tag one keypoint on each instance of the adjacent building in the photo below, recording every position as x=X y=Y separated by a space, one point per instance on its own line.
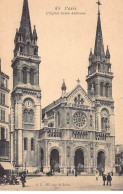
x=74 y=133
x=4 y=117
x=119 y=158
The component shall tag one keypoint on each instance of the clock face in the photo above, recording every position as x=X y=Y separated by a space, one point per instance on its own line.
x=79 y=119
x=28 y=104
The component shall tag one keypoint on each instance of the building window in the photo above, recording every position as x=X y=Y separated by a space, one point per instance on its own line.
x=2 y=98
x=2 y=115
x=2 y=133
x=28 y=48
x=25 y=143
x=101 y=88
x=32 y=77
x=25 y=75
x=28 y=116
x=32 y=144
x=105 y=120
x=98 y=66
x=107 y=90
x=21 y=49
x=2 y=81
x=59 y=119
x=35 y=51
x=68 y=118
x=78 y=100
x=31 y=116
x=6 y=83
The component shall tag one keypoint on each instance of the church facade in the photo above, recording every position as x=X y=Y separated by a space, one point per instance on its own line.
x=74 y=133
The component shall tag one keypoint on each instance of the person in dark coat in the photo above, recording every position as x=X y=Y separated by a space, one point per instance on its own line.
x=109 y=179
x=23 y=179
x=104 y=179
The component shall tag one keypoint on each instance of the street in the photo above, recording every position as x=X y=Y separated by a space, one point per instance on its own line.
x=85 y=183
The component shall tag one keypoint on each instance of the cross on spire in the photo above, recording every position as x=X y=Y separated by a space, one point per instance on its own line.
x=78 y=81
x=98 y=3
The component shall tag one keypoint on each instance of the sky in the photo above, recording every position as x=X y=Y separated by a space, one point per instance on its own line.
x=64 y=44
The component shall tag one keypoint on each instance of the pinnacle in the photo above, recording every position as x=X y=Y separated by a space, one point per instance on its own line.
x=63 y=86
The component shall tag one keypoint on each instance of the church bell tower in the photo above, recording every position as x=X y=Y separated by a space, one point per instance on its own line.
x=99 y=83
x=26 y=94
x=99 y=78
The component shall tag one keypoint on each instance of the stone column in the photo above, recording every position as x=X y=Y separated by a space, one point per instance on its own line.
x=99 y=121
x=97 y=89
x=11 y=147
x=20 y=116
x=20 y=147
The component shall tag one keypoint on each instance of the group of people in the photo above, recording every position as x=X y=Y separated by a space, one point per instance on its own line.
x=105 y=178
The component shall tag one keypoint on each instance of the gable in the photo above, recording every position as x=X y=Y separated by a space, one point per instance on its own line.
x=79 y=96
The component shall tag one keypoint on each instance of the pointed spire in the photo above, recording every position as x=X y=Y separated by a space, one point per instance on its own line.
x=107 y=53
x=63 y=85
x=35 y=33
x=99 y=47
x=25 y=25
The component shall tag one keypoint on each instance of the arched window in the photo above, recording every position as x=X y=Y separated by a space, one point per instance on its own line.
x=28 y=116
x=25 y=143
x=32 y=76
x=105 y=120
x=98 y=66
x=35 y=51
x=59 y=119
x=32 y=144
x=101 y=88
x=25 y=75
x=28 y=47
x=75 y=100
x=78 y=100
x=107 y=90
x=21 y=49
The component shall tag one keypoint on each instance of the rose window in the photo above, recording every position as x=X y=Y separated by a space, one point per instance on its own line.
x=79 y=119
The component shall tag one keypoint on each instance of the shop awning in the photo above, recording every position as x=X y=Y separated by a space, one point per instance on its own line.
x=7 y=165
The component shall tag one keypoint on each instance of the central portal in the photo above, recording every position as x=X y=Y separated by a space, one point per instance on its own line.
x=79 y=160
x=54 y=160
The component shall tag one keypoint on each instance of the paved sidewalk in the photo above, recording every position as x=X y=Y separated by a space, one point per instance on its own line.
x=79 y=183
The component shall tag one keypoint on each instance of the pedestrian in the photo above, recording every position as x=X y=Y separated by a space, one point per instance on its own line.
x=75 y=172
x=104 y=179
x=97 y=175
x=109 y=179
x=23 y=179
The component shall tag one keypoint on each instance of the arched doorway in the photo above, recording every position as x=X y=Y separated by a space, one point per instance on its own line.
x=79 y=160
x=42 y=159
x=54 y=160
x=101 y=162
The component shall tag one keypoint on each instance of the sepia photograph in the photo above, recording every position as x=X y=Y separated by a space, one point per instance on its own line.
x=61 y=95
